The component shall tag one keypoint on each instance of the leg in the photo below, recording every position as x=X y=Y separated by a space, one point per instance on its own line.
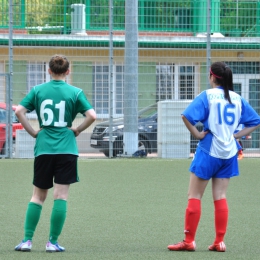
x=193 y=211
x=34 y=212
x=197 y=187
x=39 y=195
x=32 y=217
x=219 y=189
x=66 y=173
x=192 y=216
x=59 y=211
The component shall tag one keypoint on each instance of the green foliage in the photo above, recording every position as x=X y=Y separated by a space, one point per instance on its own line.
x=167 y=15
x=4 y=13
x=54 y=16
x=17 y=13
x=237 y=17
x=99 y=11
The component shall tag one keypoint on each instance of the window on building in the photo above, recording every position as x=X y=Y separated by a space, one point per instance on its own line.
x=175 y=82
x=101 y=89
x=254 y=100
x=36 y=74
x=244 y=67
x=186 y=82
x=238 y=88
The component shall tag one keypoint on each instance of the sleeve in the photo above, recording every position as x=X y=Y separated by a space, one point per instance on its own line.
x=249 y=117
x=83 y=104
x=197 y=111
x=239 y=128
x=29 y=101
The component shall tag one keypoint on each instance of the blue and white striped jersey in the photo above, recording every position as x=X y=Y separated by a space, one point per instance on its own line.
x=221 y=119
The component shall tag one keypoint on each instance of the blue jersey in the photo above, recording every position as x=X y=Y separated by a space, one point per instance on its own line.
x=221 y=119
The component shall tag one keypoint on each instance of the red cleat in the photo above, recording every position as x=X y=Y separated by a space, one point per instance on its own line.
x=240 y=155
x=183 y=246
x=220 y=247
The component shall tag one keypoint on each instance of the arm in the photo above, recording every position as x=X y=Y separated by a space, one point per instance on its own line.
x=245 y=131
x=88 y=120
x=20 y=113
x=193 y=130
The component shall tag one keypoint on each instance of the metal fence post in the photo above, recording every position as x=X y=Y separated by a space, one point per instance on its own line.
x=111 y=76
x=9 y=125
x=208 y=37
x=131 y=78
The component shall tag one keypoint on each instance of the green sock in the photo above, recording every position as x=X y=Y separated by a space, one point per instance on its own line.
x=58 y=217
x=32 y=217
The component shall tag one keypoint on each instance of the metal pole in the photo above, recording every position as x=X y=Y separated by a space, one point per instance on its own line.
x=237 y=16
x=208 y=37
x=65 y=17
x=111 y=76
x=131 y=78
x=9 y=125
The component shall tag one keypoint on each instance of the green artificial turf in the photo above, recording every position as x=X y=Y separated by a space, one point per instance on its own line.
x=130 y=209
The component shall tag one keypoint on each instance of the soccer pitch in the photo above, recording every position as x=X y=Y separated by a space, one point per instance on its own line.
x=130 y=209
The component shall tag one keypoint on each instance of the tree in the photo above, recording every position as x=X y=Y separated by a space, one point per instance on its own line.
x=17 y=14
x=241 y=20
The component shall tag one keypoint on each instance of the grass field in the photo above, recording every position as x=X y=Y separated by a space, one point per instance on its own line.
x=130 y=209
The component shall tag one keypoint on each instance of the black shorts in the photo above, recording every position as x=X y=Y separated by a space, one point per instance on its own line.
x=57 y=168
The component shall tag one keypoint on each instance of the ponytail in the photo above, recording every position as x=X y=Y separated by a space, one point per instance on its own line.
x=223 y=77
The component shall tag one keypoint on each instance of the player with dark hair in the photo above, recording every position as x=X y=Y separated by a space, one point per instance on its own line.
x=56 y=104
x=220 y=110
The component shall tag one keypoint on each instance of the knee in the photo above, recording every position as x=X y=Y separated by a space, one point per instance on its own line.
x=38 y=199
x=60 y=195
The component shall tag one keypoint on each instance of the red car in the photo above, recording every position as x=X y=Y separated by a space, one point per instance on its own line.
x=16 y=125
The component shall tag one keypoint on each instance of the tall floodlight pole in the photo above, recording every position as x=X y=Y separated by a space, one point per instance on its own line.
x=9 y=125
x=111 y=91
x=208 y=37
x=130 y=139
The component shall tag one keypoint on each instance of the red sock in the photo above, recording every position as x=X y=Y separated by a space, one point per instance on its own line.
x=221 y=219
x=192 y=218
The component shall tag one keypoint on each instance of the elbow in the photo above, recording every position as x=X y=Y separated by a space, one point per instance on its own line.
x=93 y=117
x=183 y=118
x=17 y=113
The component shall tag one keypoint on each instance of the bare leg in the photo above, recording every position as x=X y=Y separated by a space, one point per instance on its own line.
x=39 y=195
x=197 y=187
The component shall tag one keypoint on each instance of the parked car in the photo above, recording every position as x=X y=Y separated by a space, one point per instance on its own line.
x=16 y=125
x=147 y=128
x=147 y=133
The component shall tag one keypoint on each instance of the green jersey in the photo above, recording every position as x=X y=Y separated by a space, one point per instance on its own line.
x=56 y=104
